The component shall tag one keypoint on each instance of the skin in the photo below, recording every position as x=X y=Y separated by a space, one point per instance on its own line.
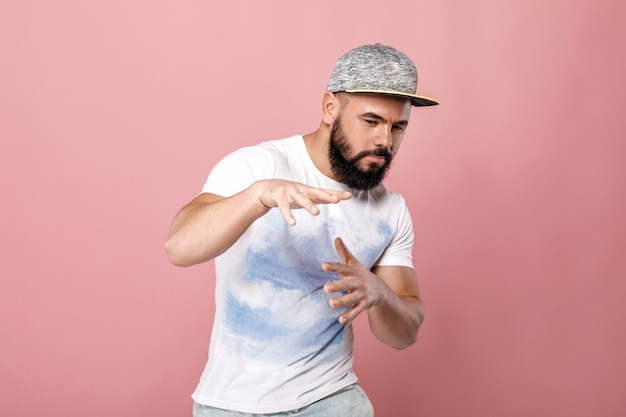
x=389 y=294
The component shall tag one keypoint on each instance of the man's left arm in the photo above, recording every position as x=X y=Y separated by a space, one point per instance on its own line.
x=389 y=294
x=396 y=319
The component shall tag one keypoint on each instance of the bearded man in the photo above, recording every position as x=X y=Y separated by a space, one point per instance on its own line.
x=305 y=238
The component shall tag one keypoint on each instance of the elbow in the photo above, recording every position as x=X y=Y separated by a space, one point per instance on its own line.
x=176 y=254
x=410 y=337
x=400 y=338
x=406 y=342
x=415 y=324
x=185 y=252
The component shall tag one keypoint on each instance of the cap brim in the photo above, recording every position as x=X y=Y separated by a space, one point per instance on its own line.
x=415 y=100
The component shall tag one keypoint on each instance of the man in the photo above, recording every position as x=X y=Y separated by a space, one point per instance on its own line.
x=306 y=238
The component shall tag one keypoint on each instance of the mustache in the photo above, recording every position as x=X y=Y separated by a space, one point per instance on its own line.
x=382 y=152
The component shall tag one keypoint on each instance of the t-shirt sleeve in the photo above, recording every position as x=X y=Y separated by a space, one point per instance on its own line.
x=399 y=252
x=238 y=170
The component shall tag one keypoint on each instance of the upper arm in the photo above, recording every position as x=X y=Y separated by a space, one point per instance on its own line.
x=184 y=213
x=205 y=198
x=184 y=224
x=402 y=280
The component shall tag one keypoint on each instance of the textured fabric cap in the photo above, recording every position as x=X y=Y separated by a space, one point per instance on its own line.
x=377 y=69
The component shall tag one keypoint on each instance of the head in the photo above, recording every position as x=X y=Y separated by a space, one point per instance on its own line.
x=364 y=136
x=370 y=91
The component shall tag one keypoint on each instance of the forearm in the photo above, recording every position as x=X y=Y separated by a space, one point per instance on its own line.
x=395 y=320
x=209 y=225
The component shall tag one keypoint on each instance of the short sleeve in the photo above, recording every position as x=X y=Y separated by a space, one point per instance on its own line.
x=238 y=170
x=399 y=252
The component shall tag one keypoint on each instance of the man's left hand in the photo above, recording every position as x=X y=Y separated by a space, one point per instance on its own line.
x=364 y=288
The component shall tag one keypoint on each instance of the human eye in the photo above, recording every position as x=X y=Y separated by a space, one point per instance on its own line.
x=371 y=119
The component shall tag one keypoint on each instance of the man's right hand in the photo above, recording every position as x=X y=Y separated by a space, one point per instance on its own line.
x=288 y=195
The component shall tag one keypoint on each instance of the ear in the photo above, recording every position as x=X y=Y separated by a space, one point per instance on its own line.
x=330 y=108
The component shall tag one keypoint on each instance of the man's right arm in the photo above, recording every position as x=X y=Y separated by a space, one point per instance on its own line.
x=210 y=224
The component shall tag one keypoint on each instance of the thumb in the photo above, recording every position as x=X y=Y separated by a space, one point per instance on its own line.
x=342 y=250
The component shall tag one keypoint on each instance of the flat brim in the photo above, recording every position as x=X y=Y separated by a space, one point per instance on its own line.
x=415 y=100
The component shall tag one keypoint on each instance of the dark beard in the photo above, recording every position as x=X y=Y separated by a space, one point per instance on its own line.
x=347 y=170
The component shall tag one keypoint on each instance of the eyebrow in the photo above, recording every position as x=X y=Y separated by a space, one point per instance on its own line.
x=371 y=115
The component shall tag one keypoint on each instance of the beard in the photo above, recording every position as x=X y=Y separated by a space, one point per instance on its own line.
x=347 y=170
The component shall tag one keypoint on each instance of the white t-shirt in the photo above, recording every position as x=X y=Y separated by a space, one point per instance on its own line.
x=276 y=344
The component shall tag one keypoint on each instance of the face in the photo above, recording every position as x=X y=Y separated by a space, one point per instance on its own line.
x=365 y=137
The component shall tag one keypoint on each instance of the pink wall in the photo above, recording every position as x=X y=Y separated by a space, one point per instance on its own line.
x=112 y=113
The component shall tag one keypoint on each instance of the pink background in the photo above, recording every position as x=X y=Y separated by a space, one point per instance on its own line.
x=113 y=112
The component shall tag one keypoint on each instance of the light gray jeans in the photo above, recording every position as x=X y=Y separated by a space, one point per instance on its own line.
x=348 y=402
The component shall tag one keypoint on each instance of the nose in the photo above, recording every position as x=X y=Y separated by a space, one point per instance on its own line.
x=385 y=137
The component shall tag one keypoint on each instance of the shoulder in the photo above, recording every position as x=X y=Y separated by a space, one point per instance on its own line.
x=242 y=167
x=273 y=150
x=259 y=154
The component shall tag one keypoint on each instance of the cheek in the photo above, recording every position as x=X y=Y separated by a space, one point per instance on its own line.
x=396 y=144
x=359 y=137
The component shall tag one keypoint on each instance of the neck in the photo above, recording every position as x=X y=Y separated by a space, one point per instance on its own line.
x=317 y=146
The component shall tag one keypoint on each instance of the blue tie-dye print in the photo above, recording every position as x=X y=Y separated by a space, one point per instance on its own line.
x=293 y=264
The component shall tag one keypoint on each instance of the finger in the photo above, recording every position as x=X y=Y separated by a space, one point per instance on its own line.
x=352 y=313
x=340 y=285
x=301 y=200
x=325 y=196
x=342 y=250
x=343 y=271
x=345 y=300
x=284 y=205
x=287 y=215
x=337 y=196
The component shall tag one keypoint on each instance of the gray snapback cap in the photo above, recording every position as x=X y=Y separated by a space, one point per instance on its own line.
x=377 y=69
